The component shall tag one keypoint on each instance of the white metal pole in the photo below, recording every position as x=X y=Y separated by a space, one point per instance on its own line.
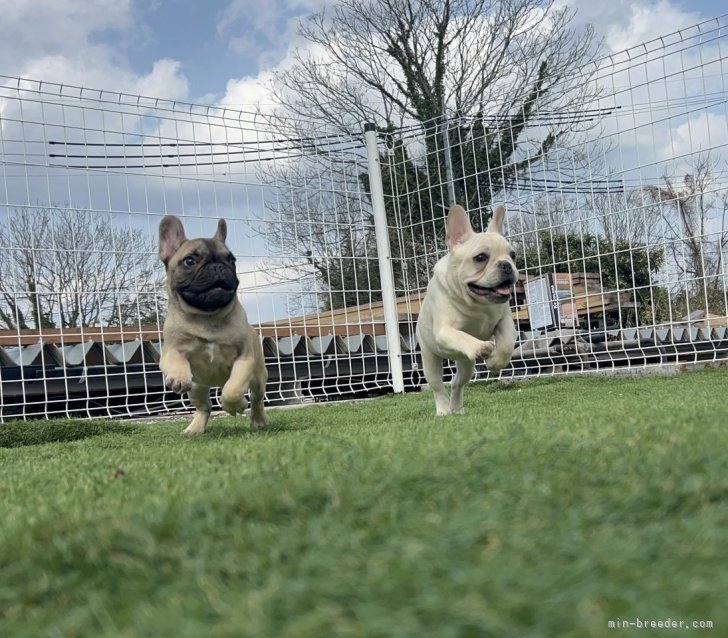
x=384 y=255
x=448 y=159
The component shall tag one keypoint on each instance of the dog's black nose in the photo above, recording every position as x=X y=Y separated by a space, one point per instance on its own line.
x=505 y=267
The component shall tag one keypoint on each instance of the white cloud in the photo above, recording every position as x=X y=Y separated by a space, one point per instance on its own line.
x=627 y=23
x=646 y=22
x=97 y=71
x=164 y=80
x=65 y=46
x=708 y=132
x=268 y=31
x=32 y=29
x=262 y=31
x=248 y=90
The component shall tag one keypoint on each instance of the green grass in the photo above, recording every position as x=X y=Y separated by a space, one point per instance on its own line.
x=549 y=509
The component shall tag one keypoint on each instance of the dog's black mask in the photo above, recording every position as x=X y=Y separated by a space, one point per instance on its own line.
x=205 y=277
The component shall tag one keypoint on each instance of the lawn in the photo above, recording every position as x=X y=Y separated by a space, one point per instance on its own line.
x=551 y=508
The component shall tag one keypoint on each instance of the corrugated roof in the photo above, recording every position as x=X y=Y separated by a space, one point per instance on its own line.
x=105 y=377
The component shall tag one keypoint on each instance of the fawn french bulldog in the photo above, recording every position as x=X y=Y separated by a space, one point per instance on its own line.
x=207 y=338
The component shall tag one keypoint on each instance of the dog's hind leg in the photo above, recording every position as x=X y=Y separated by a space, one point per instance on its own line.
x=200 y=398
x=432 y=365
x=465 y=369
x=257 y=394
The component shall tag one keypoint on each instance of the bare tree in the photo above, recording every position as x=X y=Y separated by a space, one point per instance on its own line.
x=694 y=216
x=63 y=267
x=505 y=82
x=627 y=216
x=400 y=62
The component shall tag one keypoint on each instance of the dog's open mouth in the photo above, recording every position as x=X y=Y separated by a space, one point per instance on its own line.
x=500 y=293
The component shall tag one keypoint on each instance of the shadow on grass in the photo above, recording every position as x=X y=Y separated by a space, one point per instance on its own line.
x=234 y=430
x=520 y=383
x=22 y=433
x=279 y=422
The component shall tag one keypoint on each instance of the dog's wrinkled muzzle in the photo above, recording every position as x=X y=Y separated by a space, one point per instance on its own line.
x=212 y=289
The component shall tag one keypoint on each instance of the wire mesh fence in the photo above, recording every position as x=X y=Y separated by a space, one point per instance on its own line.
x=617 y=209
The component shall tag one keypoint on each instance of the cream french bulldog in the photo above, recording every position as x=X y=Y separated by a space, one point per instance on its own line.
x=465 y=315
x=208 y=341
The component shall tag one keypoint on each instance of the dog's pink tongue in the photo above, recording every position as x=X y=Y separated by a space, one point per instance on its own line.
x=504 y=290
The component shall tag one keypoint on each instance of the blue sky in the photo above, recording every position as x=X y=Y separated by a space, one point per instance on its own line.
x=223 y=50
x=215 y=40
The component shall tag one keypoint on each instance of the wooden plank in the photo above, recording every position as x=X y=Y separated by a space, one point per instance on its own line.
x=70 y=336
x=563 y=280
x=588 y=305
x=405 y=305
x=313 y=330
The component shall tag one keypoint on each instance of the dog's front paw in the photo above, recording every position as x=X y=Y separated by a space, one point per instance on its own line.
x=442 y=406
x=198 y=425
x=179 y=384
x=233 y=400
x=234 y=406
x=497 y=361
x=257 y=423
x=193 y=430
x=456 y=406
x=483 y=350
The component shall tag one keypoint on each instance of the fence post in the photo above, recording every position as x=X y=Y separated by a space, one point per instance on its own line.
x=384 y=256
x=448 y=159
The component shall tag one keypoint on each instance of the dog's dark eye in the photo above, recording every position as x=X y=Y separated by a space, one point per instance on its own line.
x=480 y=258
x=513 y=254
x=231 y=258
x=189 y=261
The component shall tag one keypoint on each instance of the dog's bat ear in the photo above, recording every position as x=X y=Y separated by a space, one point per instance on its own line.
x=459 y=229
x=221 y=234
x=496 y=222
x=171 y=237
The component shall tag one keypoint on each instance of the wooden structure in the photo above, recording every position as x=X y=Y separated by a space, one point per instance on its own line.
x=586 y=293
x=583 y=290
